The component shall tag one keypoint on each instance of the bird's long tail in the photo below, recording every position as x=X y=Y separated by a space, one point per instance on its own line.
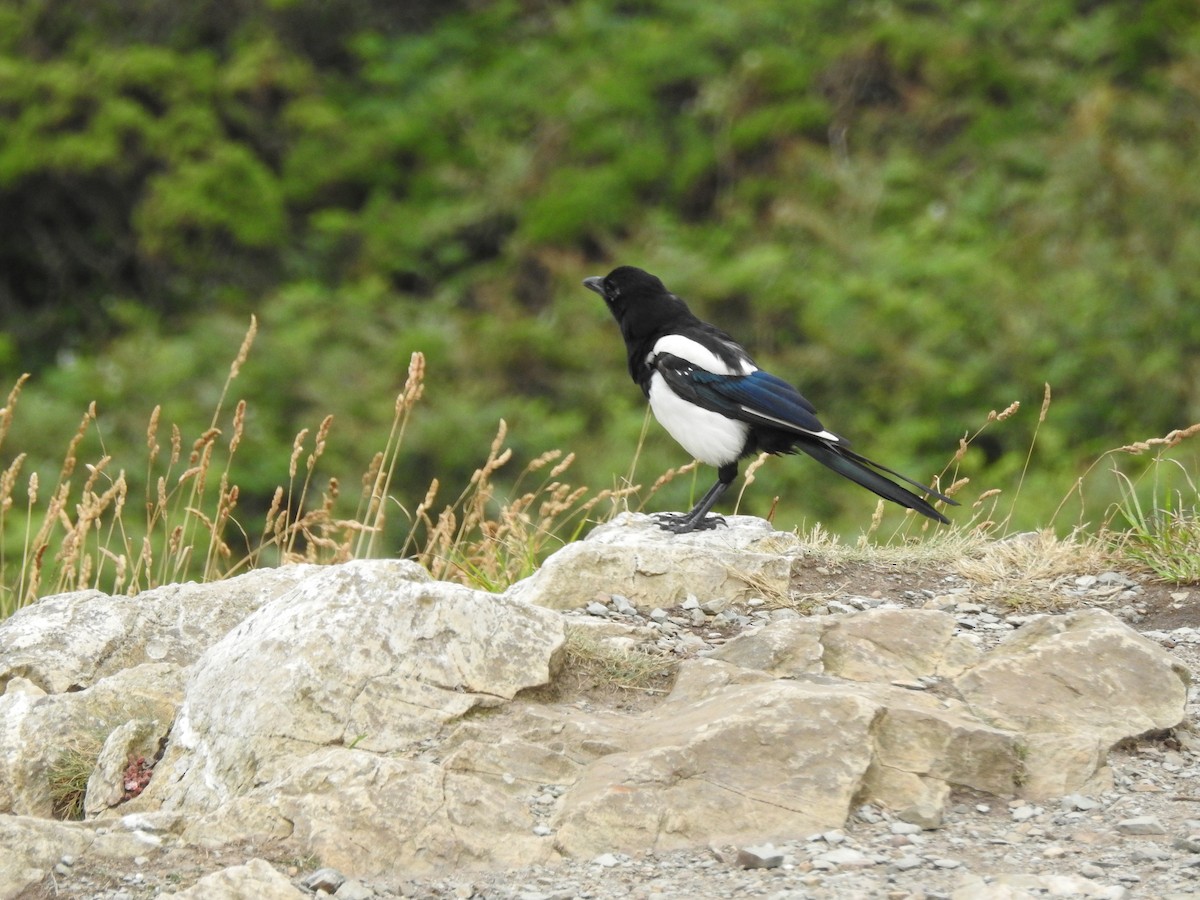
x=862 y=471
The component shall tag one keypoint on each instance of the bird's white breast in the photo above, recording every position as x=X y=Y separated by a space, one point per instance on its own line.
x=710 y=437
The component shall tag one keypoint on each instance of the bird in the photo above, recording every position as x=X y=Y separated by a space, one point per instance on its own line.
x=707 y=392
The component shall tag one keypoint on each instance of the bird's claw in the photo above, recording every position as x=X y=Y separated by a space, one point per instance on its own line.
x=682 y=524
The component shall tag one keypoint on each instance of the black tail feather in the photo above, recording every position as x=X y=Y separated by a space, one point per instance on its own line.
x=861 y=471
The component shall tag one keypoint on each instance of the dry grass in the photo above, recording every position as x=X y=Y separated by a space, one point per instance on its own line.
x=86 y=530
x=68 y=778
x=592 y=658
x=97 y=525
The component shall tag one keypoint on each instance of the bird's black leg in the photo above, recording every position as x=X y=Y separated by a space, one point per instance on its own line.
x=698 y=519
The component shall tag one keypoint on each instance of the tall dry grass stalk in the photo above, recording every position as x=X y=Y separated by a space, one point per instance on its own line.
x=78 y=533
x=489 y=542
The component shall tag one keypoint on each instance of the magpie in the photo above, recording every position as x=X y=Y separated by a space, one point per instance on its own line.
x=704 y=388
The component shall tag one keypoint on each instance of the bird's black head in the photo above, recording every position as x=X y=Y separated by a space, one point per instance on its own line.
x=623 y=284
x=639 y=301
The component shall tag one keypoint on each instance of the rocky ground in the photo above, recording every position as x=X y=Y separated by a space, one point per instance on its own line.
x=1137 y=837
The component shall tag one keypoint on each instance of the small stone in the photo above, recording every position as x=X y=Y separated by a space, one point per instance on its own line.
x=1079 y=802
x=605 y=860
x=324 y=880
x=622 y=605
x=867 y=813
x=658 y=614
x=906 y=863
x=904 y=828
x=1022 y=813
x=945 y=863
x=763 y=856
x=1188 y=844
x=1141 y=825
x=353 y=890
x=845 y=858
x=543 y=830
x=690 y=602
x=596 y=609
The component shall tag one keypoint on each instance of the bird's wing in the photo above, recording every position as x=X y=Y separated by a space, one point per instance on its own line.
x=761 y=399
x=758 y=398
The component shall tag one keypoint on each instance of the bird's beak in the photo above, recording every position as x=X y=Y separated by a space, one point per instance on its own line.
x=595 y=283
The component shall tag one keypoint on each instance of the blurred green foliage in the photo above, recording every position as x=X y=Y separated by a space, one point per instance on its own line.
x=917 y=211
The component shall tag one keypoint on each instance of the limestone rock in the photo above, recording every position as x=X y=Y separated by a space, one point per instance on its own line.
x=894 y=644
x=878 y=645
x=1073 y=686
x=743 y=762
x=126 y=743
x=256 y=879
x=69 y=641
x=287 y=720
x=31 y=848
x=381 y=721
x=923 y=747
x=370 y=815
x=633 y=557
x=35 y=733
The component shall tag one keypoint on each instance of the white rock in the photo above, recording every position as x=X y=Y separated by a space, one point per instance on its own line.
x=1044 y=681
x=1141 y=825
x=633 y=556
x=257 y=879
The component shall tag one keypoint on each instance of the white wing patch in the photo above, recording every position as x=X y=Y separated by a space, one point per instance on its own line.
x=710 y=437
x=790 y=426
x=698 y=355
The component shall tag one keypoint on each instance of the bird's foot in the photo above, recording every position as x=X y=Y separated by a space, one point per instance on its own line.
x=683 y=524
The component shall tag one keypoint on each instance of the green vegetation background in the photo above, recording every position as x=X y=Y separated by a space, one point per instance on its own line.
x=917 y=211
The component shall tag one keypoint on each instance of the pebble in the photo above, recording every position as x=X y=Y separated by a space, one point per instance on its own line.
x=326 y=880
x=1079 y=802
x=354 y=890
x=1141 y=825
x=844 y=857
x=763 y=856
